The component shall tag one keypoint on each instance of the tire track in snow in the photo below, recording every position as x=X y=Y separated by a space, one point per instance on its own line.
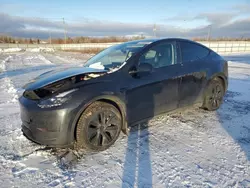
x=44 y=59
x=23 y=162
x=7 y=85
x=24 y=67
x=9 y=111
x=65 y=61
x=55 y=59
x=18 y=156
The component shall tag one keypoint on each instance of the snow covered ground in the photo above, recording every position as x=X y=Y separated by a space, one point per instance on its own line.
x=39 y=49
x=194 y=148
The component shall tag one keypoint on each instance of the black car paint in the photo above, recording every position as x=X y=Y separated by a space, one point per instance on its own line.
x=137 y=98
x=57 y=75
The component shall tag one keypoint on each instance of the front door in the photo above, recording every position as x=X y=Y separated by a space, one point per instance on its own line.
x=156 y=92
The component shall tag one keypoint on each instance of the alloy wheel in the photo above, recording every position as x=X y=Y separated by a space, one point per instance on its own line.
x=216 y=96
x=103 y=128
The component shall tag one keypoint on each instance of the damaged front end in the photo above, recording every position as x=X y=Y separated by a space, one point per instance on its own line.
x=50 y=102
x=58 y=92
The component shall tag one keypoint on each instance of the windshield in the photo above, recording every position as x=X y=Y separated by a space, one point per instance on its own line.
x=114 y=57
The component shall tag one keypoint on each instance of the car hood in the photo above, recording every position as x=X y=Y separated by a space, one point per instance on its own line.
x=53 y=76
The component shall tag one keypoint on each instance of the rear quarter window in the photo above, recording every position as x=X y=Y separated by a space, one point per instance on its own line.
x=191 y=51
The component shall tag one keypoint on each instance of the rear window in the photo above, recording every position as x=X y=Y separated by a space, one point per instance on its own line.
x=192 y=52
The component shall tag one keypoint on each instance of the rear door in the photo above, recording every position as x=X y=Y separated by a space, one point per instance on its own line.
x=193 y=72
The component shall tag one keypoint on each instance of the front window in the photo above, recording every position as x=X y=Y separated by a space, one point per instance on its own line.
x=160 y=55
x=114 y=57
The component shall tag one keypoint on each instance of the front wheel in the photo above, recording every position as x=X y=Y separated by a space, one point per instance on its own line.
x=99 y=127
x=214 y=95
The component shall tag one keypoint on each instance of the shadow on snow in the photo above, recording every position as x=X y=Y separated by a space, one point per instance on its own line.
x=137 y=166
x=233 y=115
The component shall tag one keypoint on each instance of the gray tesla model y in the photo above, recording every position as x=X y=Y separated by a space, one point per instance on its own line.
x=87 y=107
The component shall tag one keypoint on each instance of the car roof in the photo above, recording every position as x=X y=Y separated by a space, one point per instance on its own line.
x=161 y=39
x=153 y=40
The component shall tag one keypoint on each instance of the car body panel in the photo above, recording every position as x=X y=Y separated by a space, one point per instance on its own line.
x=47 y=126
x=56 y=75
x=137 y=98
x=153 y=92
x=193 y=79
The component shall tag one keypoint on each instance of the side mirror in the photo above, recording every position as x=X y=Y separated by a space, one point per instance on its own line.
x=142 y=69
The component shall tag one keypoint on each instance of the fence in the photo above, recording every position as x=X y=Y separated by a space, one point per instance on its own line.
x=229 y=46
x=218 y=46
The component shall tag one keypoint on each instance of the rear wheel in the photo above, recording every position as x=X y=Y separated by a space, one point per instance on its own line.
x=99 y=127
x=214 y=95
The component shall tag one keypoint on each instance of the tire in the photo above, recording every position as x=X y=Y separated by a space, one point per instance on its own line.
x=214 y=94
x=98 y=127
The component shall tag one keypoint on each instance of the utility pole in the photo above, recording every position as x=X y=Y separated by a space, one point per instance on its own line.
x=154 y=30
x=50 y=38
x=65 y=37
x=209 y=32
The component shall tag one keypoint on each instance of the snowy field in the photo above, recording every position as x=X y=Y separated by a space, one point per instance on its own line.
x=194 y=148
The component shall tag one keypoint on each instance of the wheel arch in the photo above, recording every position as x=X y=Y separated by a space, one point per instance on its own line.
x=215 y=78
x=222 y=77
x=113 y=100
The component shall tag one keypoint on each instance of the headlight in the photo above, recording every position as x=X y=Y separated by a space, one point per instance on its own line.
x=57 y=100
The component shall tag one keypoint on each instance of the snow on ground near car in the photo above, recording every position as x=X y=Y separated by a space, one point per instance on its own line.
x=7 y=50
x=193 y=148
x=39 y=49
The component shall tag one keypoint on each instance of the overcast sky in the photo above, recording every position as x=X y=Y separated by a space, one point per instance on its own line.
x=186 y=18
